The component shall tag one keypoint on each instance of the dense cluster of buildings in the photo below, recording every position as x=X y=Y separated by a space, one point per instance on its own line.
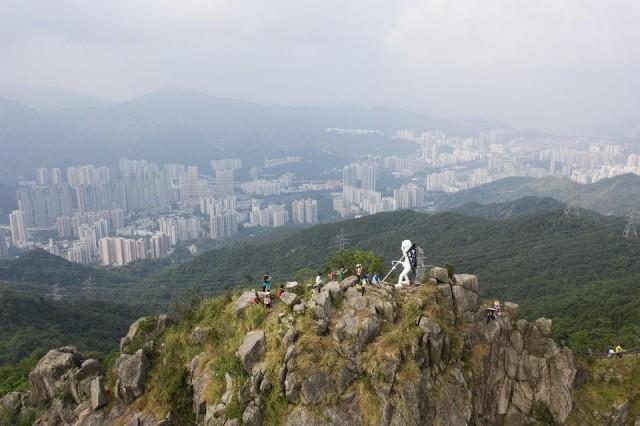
x=142 y=210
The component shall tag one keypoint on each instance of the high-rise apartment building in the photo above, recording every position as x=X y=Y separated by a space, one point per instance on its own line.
x=4 y=248
x=43 y=204
x=159 y=245
x=43 y=176
x=223 y=225
x=18 y=223
x=359 y=175
x=122 y=251
x=409 y=196
x=304 y=211
x=224 y=183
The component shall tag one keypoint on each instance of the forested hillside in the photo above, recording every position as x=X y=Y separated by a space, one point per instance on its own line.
x=563 y=267
x=614 y=196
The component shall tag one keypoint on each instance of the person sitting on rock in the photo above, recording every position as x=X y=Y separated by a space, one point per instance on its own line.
x=255 y=299
x=610 y=353
x=496 y=306
x=267 y=299
x=280 y=292
x=492 y=314
x=619 y=351
x=375 y=279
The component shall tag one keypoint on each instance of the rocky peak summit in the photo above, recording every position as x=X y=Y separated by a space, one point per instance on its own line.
x=344 y=355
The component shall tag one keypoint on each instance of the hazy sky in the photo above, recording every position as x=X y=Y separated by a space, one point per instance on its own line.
x=563 y=65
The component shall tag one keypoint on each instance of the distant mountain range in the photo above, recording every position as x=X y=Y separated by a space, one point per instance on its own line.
x=614 y=196
x=49 y=99
x=188 y=126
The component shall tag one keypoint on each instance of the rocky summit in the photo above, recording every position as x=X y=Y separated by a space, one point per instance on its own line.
x=424 y=354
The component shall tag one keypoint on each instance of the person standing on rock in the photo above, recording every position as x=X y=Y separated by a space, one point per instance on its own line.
x=267 y=299
x=341 y=273
x=359 y=272
x=266 y=282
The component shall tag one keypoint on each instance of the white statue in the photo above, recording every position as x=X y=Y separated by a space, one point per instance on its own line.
x=408 y=262
x=405 y=261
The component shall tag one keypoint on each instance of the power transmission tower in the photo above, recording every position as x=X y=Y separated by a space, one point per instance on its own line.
x=632 y=229
x=342 y=240
x=571 y=208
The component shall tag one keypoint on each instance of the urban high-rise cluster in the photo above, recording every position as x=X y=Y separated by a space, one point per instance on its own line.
x=141 y=210
x=304 y=211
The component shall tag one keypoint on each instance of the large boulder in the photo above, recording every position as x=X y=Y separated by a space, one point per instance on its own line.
x=314 y=388
x=352 y=333
x=54 y=374
x=290 y=298
x=544 y=326
x=11 y=402
x=200 y=377
x=348 y=282
x=323 y=300
x=143 y=331
x=439 y=274
x=470 y=282
x=98 y=397
x=293 y=287
x=131 y=372
x=243 y=301
x=251 y=350
x=333 y=287
x=466 y=301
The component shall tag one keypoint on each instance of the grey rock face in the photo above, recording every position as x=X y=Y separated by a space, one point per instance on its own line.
x=333 y=287
x=251 y=349
x=144 y=330
x=440 y=274
x=348 y=282
x=314 y=388
x=199 y=335
x=11 y=402
x=544 y=326
x=299 y=309
x=53 y=375
x=323 y=300
x=98 y=398
x=200 y=378
x=290 y=298
x=252 y=416
x=244 y=301
x=131 y=371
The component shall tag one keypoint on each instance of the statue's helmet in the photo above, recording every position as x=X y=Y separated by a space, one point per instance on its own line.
x=406 y=245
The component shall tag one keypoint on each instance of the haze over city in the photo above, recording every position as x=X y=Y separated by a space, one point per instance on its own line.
x=559 y=66
x=296 y=213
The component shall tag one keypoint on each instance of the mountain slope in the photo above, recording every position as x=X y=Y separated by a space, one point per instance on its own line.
x=31 y=139
x=49 y=99
x=614 y=196
x=526 y=206
x=33 y=323
x=547 y=262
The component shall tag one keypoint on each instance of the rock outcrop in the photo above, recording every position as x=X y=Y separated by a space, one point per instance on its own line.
x=344 y=354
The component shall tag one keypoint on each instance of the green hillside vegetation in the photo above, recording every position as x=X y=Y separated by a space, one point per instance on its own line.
x=614 y=196
x=32 y=324
x=526 y=206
